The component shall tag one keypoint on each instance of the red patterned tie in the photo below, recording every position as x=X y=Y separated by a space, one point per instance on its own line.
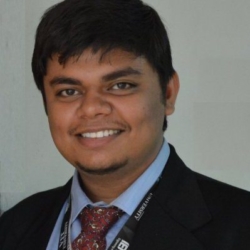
x=95 y=221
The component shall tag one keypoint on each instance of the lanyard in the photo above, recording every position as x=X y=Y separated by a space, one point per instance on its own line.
x=126 y=234
x=64 y=242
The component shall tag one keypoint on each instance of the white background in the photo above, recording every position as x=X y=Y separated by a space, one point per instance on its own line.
x=210 y=128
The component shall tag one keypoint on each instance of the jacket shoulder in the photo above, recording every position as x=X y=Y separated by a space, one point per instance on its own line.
x=35 y=202
x=230 y=210
x=213 y=190
x=31 y=213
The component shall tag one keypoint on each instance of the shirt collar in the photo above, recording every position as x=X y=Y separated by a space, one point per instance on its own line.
x=131 y=197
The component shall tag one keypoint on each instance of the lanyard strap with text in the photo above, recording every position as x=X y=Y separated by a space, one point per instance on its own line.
x=124 y=237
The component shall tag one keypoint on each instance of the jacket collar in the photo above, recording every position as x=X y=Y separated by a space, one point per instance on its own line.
x=180 y=196
x=176 y=209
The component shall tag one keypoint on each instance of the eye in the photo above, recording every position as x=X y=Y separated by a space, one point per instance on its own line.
x=123 y=85
x=68 y=92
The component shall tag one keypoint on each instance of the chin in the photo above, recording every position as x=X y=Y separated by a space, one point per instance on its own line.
x=104 y=170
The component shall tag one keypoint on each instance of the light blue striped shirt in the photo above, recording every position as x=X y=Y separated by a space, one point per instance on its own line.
x=127 y=201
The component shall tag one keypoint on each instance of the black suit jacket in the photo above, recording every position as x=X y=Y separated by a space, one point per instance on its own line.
x=188 y=211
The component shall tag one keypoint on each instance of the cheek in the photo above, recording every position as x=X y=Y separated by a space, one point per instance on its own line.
x=153 y=106
x=59 y=120
x=153 y=117
x=56 y=128
x=146 y=112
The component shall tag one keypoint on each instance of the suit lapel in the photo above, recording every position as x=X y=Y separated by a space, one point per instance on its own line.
x=159 y=231
x=176 y=209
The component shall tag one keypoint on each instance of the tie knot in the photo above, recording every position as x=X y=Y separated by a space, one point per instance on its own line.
x=95 y=221
x=98 y=220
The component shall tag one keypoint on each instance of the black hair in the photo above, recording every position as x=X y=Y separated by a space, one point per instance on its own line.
x=72 y=26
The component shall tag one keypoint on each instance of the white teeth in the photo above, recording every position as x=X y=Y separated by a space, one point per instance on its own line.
x=100 y=134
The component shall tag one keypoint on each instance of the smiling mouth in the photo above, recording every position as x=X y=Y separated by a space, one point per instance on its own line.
x=100 y=134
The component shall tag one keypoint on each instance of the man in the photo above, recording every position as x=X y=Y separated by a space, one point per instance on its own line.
x=105 y=72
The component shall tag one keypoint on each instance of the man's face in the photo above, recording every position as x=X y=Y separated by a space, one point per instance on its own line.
x=107 y=114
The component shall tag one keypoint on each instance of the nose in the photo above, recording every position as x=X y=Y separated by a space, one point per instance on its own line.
x=93 y=104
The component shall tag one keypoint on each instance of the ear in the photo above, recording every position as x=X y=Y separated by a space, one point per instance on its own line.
x=171 y=94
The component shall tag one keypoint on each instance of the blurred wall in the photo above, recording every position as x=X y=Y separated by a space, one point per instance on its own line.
x=210 y=128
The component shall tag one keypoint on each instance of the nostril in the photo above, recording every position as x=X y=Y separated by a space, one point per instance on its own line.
x=95 y=106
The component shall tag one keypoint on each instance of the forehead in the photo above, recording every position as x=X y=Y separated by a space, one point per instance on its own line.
x=88 y=59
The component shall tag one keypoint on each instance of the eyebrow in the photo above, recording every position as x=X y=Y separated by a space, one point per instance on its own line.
x=109 y=77
x=121 y=73
x=64 y=80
